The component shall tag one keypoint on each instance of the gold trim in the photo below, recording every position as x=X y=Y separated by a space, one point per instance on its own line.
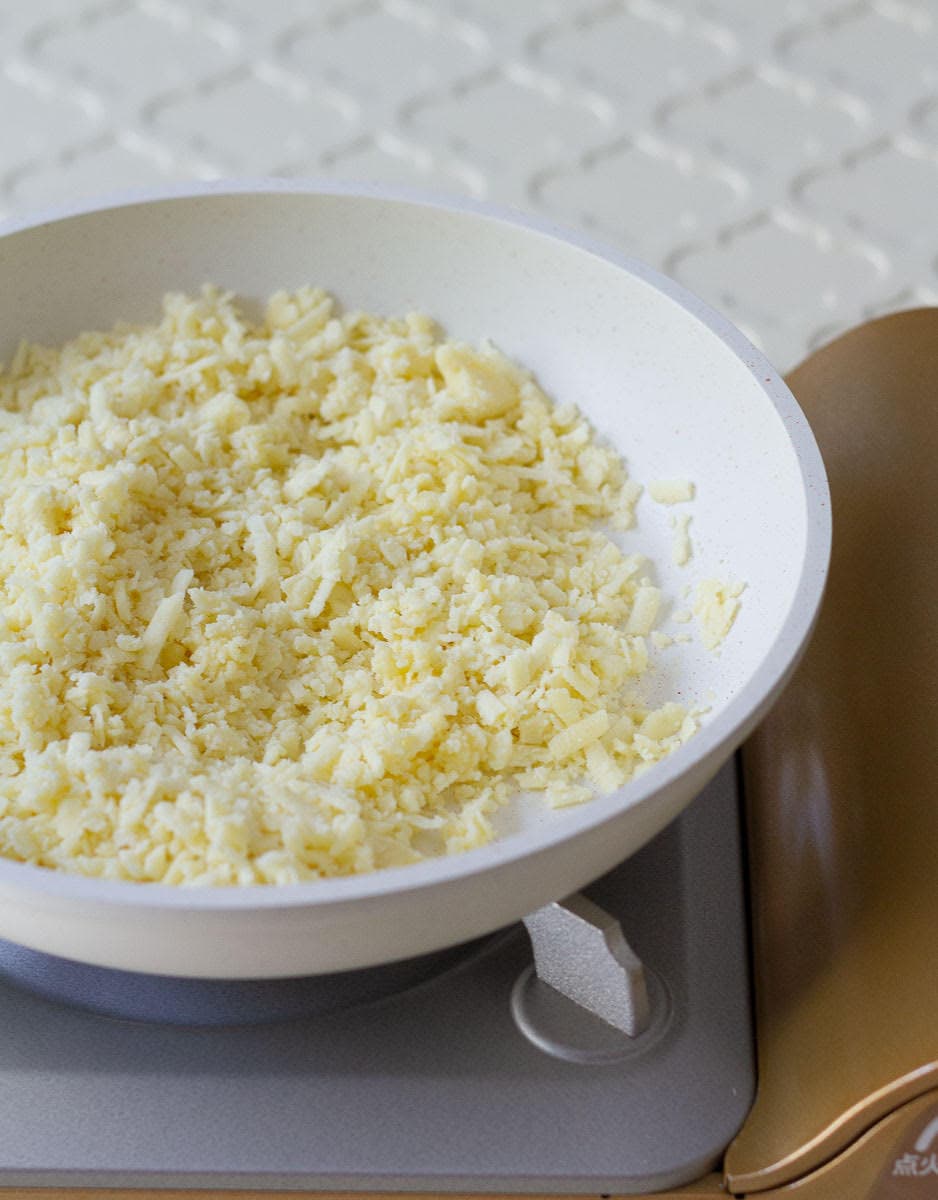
x=706 y=1189
x=867 y=1168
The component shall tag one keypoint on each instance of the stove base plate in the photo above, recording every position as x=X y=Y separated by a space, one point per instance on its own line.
x=433 y=1090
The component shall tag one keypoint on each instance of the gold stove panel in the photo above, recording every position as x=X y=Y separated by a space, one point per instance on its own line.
x=842 y=779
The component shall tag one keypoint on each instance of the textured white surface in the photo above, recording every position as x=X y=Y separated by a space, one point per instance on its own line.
x=781 y=159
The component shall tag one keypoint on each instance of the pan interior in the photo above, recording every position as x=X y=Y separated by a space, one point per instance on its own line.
x=652 y=377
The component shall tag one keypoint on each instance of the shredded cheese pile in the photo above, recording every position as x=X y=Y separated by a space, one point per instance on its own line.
x=303 y=598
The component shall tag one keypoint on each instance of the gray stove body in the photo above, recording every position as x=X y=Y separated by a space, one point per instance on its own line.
x=433 y=1089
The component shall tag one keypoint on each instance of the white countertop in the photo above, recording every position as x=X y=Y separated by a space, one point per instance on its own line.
x=780 y=159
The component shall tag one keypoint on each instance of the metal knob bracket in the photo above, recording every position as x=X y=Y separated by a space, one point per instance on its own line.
x=581 y=952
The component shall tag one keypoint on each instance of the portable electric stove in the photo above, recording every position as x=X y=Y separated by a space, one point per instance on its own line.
x=480 y=1076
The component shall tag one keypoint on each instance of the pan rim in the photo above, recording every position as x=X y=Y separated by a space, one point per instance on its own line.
x=739 y=716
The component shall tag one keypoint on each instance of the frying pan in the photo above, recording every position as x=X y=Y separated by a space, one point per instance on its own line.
x=674 y=387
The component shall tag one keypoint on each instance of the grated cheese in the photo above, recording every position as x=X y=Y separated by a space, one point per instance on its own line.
x=644 y=610
x=671 y=491
x=303 y=598
x=715 y=607
x=681 y=549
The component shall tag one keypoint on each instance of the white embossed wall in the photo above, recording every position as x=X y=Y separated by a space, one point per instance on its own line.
x=780 y=158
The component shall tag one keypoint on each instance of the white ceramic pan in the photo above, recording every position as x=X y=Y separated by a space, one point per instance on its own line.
x=676 y=388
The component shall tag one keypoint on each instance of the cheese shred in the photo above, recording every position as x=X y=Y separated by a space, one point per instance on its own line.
x=303 y=598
